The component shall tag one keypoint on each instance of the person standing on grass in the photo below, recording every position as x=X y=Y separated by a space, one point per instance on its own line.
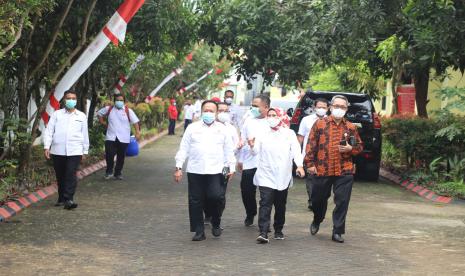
x=321 y=109
x=118 y=122
x=332 y=143
x=208 y=149
x=275 y=149
x=172 y=116
x=66 y=142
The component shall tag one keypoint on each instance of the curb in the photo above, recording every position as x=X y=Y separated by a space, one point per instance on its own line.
x=412 y=186
x=13 y=207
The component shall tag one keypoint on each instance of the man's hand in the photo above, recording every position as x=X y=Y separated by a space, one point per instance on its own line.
x=83 y=157
x=239 y=167
x=178 y=176
x=240 y=144
x=300 y=172
x=137 y=136
x=47 y=154
x=345 y=149
x=230 y=176
x=312 y=170
x=251 y=142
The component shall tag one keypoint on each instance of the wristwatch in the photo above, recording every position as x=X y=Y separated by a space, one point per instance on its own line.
x=178 y=169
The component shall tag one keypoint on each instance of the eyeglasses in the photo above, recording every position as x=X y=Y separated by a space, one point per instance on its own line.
x=340 y=106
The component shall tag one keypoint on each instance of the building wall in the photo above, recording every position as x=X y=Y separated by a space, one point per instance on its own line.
x=454 y=79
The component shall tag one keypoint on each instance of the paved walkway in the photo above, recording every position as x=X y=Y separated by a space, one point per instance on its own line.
x=140 y=227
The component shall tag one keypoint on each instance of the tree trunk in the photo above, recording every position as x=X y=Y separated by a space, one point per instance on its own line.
x=421 y=79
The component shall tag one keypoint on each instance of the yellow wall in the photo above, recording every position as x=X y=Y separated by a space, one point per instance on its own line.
x=454 y=79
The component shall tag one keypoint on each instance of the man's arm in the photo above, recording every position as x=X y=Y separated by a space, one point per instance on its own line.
x=311 y=151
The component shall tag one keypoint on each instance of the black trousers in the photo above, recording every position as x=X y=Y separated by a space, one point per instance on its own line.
x=187 y=122
x=309 y=185
x=249 y=191
x=113 y=148
x=268 y=198
x=205 y=193
x=342 y=189
x=224 y=187
x=65 y=170
x=171 y=127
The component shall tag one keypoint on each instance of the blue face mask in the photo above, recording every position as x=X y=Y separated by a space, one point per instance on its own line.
x=208 y=117
x=255 y=111
x=119 y=104
x=70 y=104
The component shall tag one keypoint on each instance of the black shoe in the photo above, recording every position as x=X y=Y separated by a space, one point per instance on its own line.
x=69 y=204
x=263 y=238
x=248 y=221
x=337 y=238
x=207 y=220
x=279 y=235
x=314 y=228
x=216 y=231
x=59 y=203
x=118 y=177
x=199 y=236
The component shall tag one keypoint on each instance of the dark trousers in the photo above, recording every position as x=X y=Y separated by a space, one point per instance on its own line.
x=65 y=170
x=309 y=185
x=224 y=187
x=249 y=191
x=342 y=189
x=187 y=122
x=113 y=148
x=171 y=126
x=205 y=193
x=268 y=198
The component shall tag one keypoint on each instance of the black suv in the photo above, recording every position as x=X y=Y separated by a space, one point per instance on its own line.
x=362 y=113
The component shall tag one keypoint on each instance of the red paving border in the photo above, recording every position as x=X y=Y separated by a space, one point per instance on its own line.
x=412 y=186
x=13 y=207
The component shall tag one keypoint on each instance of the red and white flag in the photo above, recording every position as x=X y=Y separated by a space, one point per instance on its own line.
x=114 y=31
x=187 y=88
x=123 y=78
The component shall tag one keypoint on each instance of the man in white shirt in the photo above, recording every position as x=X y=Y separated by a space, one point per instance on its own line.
x=118 y=124
x=208 y=149
x=253 y=126
x=197 y=108
x=233 y=108
x=320 y=107
x=66 y=141
x=188 y=113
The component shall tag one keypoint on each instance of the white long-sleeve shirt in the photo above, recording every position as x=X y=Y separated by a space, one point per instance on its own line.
x=275 y=151
x=66 y=133
x=233 y=134
x=252 y=128
x=305 y=127
x=208 y=149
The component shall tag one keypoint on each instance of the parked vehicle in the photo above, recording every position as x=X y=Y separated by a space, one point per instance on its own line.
x=362 y=113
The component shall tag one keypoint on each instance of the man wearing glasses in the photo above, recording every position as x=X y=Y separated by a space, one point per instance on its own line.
x=331 y=144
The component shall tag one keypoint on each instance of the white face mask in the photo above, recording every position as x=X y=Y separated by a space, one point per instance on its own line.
x=321 y=112
x=224 y=117
x=228 y=100
x=273 y=121
x=338 y=113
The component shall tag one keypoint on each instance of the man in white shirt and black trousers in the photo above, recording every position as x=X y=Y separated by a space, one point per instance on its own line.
x=118 y=124
x=209 y=149
x=66 y=141
x=248 y=162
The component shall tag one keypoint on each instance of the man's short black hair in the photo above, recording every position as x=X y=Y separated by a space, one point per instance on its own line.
x=264 y=99
x=321 y=100
x=117 y=96
x=229 y=91
x=69 y=91
x=209 y=101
